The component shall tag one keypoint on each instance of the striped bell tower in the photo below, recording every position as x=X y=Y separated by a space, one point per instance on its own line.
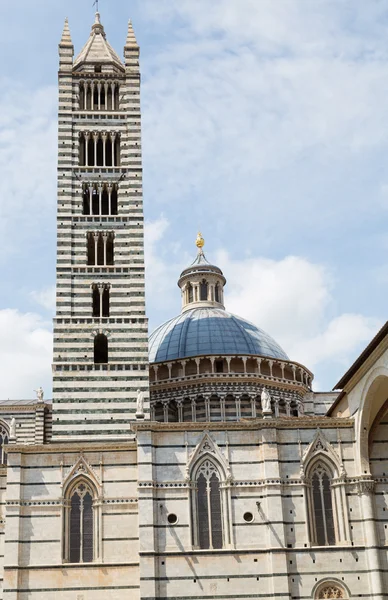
x=100 y=367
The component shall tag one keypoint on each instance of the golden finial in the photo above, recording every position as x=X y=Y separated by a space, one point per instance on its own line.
x=199 y=242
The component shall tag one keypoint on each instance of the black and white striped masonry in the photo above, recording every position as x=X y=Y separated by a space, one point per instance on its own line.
x=100 y=329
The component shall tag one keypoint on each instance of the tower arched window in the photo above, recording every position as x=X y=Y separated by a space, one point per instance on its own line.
x=100 y=349
x=100 y=300
x=82 y=95
x=82 y=150
x=321 y=504
x=79 y=523
x=91 y=249
x=203 y=290
x=100 y=249
x=96 y=301
x=217 y=292
x=208 y=518
x=105 y=301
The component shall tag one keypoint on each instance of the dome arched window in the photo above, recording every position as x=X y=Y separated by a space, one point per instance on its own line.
x=190 y=293
x=203 y=290
x=217 y=292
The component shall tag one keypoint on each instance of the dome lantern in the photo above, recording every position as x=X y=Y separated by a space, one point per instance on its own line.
x=201 y=284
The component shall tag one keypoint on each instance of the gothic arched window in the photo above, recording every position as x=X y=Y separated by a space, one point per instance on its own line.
x=80 y=524
x=3 y=442
x=208 y=507
x=322 y=504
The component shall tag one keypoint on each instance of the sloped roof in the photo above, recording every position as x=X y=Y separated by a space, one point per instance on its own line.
x=97 y=48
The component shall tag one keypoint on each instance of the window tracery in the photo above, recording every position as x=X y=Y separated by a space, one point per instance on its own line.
x=4 y=436
x=80 y=523
x=326 y=503
x=209 y=506
x=330 y=591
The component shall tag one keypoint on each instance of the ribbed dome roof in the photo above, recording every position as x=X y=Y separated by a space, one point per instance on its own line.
x=210 y=331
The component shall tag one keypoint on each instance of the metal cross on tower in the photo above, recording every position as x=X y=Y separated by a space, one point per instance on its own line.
x=95 y=3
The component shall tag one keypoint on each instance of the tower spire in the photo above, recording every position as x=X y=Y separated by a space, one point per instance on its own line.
x=131 y=38
x=66 y=36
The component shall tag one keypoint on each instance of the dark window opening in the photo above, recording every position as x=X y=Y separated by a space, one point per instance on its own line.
x=91 y=250
x=86 y=202
x=217 y=293
x=117 y=151
x=96 y=301
x=100 y=250
x=109 y=251
x=323 y=510
x=100 y=153
x=100 y=349
x=190 y=292
x=82 y=97
x=210 y=534
x=203 y=290
x=95 y=98
x=114 y=204
x=105 y=302
x=90 y=152
x=75 y=530
x=97 y=69
x=82 y=156
x=87 y=529
x=95 y=202
x=105 y=202
x=219 y=366
x=108 y=153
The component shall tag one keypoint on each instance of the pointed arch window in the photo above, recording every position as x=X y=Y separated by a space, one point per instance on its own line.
x=80 y=521
x=4 y=436
x=322 y=517
x=209 y=509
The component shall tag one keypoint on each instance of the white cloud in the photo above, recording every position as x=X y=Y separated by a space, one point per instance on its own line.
x=25 y=354
x=246 y=88
x=28 y=131
x=45 y=298
x=292 y=299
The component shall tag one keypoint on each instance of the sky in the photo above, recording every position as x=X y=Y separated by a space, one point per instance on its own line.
x=265 y=126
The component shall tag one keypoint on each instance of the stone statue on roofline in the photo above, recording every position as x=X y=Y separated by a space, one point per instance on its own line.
x=140 y=405
x=39 y=394
x=266 y=402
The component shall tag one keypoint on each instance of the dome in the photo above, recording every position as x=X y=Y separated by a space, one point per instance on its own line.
x=200 y=331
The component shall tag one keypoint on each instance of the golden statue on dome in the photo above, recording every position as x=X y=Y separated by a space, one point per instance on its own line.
x=199 y=242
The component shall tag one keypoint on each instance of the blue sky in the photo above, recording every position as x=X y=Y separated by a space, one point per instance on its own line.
x=265 y=124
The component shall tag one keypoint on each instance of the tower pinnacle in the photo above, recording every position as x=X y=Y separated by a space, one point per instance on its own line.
x=66 y=37
x=131 y=38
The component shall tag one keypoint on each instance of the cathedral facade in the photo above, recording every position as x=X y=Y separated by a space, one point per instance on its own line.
x=198 y=464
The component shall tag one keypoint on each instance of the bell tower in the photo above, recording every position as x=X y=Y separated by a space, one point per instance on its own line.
x=100 y=329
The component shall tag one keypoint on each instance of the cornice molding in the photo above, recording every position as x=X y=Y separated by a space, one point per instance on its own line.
x=280 y=423
x=66 y=447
